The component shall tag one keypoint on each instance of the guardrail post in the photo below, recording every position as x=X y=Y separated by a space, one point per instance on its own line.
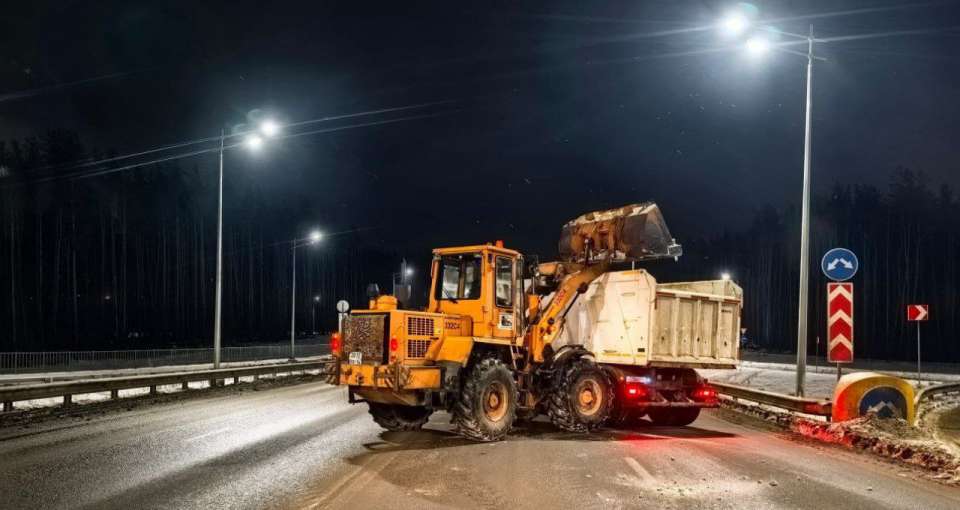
x=213 y=383
x=153 y=390
x=7 y=407
x=114 y=394
x=185 y=385
x=67 y=400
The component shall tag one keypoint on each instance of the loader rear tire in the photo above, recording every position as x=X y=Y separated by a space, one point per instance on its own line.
x=583 y=398
x=674 y=417
x=399 y=418
x=487 y=406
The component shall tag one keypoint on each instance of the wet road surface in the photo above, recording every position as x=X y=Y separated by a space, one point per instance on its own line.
x=303 y=446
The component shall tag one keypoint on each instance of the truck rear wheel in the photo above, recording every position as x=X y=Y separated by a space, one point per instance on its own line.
x=676 y=417
x=397 y=417
x=487 y=406
x=583 y=398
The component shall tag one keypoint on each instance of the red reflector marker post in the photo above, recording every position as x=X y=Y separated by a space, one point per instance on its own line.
x=840 y=322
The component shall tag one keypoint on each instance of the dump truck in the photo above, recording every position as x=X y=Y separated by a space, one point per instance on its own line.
x=582 y=340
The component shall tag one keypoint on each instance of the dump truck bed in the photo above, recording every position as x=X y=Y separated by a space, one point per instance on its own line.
x=627 y=318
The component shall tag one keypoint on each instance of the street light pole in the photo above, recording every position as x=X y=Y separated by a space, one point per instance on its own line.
x=805 y=229
x=293 y=301
x=314 y=238
x=219 y=292
x=269 y=128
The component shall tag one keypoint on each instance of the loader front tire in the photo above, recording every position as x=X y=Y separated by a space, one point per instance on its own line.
x=674 y=417
x=399 y=418
x=487 y=405
x=582 y=399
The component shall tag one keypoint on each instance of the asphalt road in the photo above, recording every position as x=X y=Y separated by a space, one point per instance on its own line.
x=304 y=447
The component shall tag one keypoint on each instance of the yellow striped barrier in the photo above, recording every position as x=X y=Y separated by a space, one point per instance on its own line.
x=860 y=393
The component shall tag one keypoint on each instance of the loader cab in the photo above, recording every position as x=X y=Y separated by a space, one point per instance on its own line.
x=480 y=284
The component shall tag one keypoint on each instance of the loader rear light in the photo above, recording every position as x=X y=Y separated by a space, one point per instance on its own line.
x=394 y=344
x=335 y=344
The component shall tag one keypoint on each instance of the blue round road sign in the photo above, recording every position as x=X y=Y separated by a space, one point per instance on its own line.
x=839 y=264
x=887 y=402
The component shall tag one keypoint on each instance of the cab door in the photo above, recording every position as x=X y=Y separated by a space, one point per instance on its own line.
x=504 y=296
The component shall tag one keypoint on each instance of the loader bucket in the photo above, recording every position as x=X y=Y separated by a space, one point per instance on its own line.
x=633 y=232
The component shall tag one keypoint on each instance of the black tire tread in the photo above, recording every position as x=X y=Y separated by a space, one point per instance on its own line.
x=559 y=405
x=399 y=418
x=463 y=413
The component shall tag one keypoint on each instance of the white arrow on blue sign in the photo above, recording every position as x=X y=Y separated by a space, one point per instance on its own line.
x=839 y=264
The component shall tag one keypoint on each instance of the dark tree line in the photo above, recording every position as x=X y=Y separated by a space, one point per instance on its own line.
x=127 y=260
x=907 y=238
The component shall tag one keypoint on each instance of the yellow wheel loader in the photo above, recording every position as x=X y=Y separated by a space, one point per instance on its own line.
x=577 y=340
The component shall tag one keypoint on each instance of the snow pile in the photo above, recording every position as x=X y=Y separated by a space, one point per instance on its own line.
x=891 y=438
x=895 y=439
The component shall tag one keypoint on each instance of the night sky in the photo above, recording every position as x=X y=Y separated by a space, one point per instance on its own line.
x=550 y=109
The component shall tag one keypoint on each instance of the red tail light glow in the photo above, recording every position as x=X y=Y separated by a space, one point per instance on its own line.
x=394 y=344
x=635 y=391
x=704 y=393
x=335 y=343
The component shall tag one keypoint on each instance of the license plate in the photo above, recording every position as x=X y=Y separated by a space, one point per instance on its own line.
x=356 y=358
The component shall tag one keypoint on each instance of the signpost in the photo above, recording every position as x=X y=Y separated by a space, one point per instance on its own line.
x=839 y=265
x=918 y=314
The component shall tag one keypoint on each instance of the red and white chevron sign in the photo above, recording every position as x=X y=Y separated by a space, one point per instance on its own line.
x=918 y=312
x=840 y=322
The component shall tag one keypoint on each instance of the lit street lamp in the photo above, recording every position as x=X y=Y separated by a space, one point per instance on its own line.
x=315 y=237
x=725 y=276
x=252 y=142
x=734 y=24
x=756 y=46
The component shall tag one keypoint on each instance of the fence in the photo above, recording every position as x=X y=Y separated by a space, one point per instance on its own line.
x=26 y=362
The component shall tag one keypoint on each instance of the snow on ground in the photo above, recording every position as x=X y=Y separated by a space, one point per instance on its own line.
x=819 y=382
x=923 y=445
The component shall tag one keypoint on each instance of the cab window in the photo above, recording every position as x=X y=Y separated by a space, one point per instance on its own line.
x=504 y=282
x=459 y=277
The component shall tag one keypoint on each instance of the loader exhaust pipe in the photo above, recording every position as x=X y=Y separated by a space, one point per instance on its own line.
x=633 y=232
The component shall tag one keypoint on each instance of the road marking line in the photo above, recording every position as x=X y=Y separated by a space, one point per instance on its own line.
x=644 y=475
x=212 y=432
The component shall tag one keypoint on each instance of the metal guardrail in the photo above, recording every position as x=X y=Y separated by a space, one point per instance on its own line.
x=930 y=392
x=114 y=384
x=788 y=402
x=31 y=362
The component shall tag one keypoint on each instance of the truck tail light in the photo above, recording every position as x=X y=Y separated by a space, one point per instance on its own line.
x=635 y=391
x=704 y=393
x=394 y=344
x=335 y=344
